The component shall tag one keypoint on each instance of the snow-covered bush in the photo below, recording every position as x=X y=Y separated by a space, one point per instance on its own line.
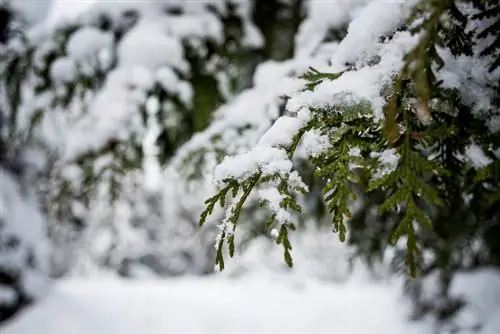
x=23 y=242
x=107 y=98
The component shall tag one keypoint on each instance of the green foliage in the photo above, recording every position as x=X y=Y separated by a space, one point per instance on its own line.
x=345 y=128
x=313 y=77
x=427 y=128
x=234 y=187
x=490 y=9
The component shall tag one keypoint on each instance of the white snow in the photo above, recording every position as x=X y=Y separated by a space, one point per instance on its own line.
x=376 y=19
x=63 y=70
x=65 y=9
x=475 y=155
x=313 y=143
x=389 y=160
x=480 y=289
x=147 y=45
x=273 y=198
x=22 y=222
x=34 y=11
x=321 y=16
x=170 y=82
x=197 y=306
x=86 y=43
x=269 y=160
x=366 y=83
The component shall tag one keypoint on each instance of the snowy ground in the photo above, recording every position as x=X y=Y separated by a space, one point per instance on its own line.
x=196 y=306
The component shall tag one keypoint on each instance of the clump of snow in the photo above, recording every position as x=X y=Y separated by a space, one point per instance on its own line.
x=268 y=160
x=471 y=76
x=269 y=156
x=354 y=152
x=147 y=45
x=366 y=83
x=373 y=21
x=313 y=143
x=494 y=124
x=279 y=134
x=170 y=81
x=322 y=16
x=63 y=70
x=86 y=43
x=388 y=162
x=273 y=198
x=475 y=155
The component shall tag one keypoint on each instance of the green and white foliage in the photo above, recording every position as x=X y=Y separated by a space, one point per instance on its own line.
x=240 y=124
x=404 y=118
